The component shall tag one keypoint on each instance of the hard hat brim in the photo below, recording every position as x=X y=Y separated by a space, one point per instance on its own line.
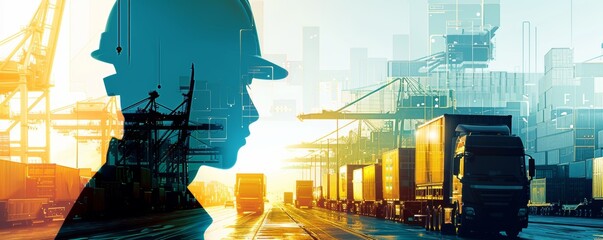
x=260 y=68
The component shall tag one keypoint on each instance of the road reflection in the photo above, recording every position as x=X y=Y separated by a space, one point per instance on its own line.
x=227 y=224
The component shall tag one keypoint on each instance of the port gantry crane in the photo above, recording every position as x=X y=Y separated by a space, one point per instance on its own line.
x=25 y=74
x=413 y=102
x=27 y=70
x=158 y=137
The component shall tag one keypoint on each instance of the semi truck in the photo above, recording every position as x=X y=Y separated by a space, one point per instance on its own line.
x=471 y=172
x=465 y=173
x=303 y=193
x=250 y=192
x=288 y=198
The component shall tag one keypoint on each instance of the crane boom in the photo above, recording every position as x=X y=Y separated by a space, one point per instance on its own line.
x=27 y=68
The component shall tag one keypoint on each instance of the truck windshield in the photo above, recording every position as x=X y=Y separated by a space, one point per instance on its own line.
x=491 y=165
x=250 y=189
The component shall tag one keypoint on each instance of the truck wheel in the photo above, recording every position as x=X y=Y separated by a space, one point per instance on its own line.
x=439 y=220
x=462 y=231
x=512 y=233
x=434 y=219
x=428 y=220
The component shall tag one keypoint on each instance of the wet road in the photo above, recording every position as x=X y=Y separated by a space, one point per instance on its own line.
x=370 y=228
x=285 y=222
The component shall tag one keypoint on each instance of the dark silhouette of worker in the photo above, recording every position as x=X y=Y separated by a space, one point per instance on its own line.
x=152 y=45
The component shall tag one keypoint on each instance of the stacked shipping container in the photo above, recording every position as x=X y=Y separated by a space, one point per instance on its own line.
x=12 y=179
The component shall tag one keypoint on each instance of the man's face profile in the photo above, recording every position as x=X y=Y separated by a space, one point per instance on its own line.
x=152 y=45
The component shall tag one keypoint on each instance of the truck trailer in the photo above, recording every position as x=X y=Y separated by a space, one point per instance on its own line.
x=399 y=186
x=37 y=192
x=471 y=172
x=288 y=198
x=303 y=193
x=346 y=187
x=250 y=192
x=368 y=194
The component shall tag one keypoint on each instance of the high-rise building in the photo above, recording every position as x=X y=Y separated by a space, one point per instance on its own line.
x=376 y=71
x=358 y=65
x=311 y=68
x=401 y=47
x=418 y=29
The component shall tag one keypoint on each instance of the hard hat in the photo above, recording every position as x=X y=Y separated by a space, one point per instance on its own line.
x=215 y=30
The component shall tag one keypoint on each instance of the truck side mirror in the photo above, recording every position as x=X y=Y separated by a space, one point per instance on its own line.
x=532 y=167
x=457 y=164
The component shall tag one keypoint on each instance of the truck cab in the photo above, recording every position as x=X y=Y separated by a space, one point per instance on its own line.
x=490 y=190
x=303 y=193
x=250 y=192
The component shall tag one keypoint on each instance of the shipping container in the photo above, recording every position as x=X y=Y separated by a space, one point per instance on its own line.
x=559 y=190
x=346 y=178
x=13 y=177
x=85 y=172
x=600 y=142
x=371 y=183
x=303 y=193
x=143 y=176
x=21 y=210
x=317 y=193
x=325 y=185
x=546 y=171
x=398 y=174
x=332 y=187
x=577 y=170
x=288 y=198
x=197 y=188
x=99 y=202
x=589 y=168
x=433 y=147
x=357 y=184
x=55 y=182
x=597 y=181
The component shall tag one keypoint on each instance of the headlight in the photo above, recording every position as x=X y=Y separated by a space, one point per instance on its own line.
x=522 y=212
x=469 y=211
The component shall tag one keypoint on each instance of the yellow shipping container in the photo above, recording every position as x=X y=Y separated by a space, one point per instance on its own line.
x=598 y=178
x=430 y=153
x=13 y=177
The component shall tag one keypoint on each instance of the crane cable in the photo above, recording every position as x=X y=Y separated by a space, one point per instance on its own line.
x=118 y=27
x=119 y=48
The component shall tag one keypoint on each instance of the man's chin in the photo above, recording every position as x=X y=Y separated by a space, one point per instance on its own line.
x=228 y=164
x=229 y=158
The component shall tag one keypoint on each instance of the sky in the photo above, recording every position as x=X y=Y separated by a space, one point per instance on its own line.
x=344 y=24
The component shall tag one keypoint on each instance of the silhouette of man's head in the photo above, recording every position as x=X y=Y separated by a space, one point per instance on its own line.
x=152 y=44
